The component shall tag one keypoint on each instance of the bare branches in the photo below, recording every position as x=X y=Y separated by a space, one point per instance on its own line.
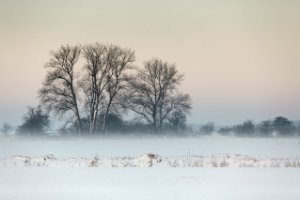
x=106 y=88
x=119 y=59
x=154 y=92
x=95 y=79
x=104 y=77
x=58 y=93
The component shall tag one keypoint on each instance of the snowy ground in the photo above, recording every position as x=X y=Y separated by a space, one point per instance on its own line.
x=152 y=160
x=149 y=183
x=163 y=183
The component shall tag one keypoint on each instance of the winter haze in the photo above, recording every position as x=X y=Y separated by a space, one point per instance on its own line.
x=138 y=100
x=240 y=58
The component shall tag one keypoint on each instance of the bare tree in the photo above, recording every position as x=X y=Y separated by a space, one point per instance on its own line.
x=58 y=93
x=105 y=78
x=96 y=79
x=119 y=60
x=154 y=93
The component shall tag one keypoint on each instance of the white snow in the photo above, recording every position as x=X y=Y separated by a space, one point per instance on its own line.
x=151 y=160
x=209 y=168
x=149 y=183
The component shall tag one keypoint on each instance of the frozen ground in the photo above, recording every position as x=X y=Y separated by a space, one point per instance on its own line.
x=149 y=183
x=152 y=160
x=161 y=183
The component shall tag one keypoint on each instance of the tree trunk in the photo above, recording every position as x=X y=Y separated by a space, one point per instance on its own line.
x=106 y=115
x=79 y=124
x=76 y=108
x=154 y=120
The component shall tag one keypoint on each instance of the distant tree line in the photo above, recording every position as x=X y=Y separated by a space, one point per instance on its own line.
x=92 y=87
x=279 y=126
x=36 y=121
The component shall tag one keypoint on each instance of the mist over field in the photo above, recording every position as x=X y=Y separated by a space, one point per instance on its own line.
x=160 y=99
x=89 y=147
x=119 y=167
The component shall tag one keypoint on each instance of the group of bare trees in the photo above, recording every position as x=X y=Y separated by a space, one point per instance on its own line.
x=93 y=81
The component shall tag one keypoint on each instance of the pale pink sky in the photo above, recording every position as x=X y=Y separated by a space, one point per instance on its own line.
x=241 y=59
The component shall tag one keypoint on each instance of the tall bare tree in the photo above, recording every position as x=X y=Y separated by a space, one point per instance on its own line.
x=58 y=93
x=97 y=76
x=154 y=93
x=119 y=60
x=104 y=79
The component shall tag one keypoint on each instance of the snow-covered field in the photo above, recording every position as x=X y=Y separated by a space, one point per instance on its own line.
x=149 y=183
x=58 y=180
x=152 y=160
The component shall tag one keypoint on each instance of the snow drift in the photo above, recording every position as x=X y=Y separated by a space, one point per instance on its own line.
x=151 y=160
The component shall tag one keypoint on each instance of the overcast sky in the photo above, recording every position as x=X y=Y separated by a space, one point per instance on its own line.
x=241 y=59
